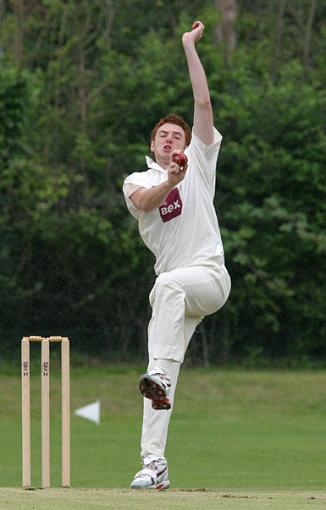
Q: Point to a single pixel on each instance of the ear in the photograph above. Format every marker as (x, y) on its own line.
(152, 145)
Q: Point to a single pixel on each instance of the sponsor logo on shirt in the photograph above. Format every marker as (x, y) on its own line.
(172, 207)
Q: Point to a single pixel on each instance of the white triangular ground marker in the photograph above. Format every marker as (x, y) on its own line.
(90, 412)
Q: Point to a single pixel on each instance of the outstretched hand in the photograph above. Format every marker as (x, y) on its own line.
(195, 34)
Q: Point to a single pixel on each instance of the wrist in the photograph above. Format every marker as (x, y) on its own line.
(167, 185)
(187, 41)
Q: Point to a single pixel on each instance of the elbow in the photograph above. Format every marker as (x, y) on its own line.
(140, 202)
(144, 206)
(143, 200)
(204, 102)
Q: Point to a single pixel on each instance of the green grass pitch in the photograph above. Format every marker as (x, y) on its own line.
(238, 439)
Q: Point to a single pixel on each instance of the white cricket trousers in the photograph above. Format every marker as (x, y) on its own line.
(179, 300)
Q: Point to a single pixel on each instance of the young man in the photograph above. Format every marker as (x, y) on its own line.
(174, 207)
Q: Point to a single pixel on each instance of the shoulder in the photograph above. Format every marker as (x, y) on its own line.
(203, 158)
(197, 143)
(137, 177)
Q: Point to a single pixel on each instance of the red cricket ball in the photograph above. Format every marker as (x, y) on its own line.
(195, 24)
(180, 159)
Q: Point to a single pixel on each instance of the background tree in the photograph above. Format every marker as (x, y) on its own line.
(81, 85)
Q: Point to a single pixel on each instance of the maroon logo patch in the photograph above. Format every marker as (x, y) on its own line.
(172, 206)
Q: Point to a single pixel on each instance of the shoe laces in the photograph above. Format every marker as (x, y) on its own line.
(156, 465)
(163, 375)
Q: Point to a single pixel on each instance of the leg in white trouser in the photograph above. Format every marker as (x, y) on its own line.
(179, 299)
(156, 423)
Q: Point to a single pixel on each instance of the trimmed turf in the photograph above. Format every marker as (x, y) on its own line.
(114, 499)
(245, 430)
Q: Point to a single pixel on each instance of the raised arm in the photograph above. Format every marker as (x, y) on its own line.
(203, 114)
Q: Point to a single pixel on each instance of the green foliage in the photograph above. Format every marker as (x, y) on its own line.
(273, 221)
(80, 89)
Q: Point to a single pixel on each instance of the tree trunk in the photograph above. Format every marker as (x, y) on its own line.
(307, 38)
(278, 38)
(18, 8)
(2, 9)
(108, 13)
(204, 341)
(225, 31)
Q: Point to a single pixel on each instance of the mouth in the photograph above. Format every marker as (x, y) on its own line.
(167, 148)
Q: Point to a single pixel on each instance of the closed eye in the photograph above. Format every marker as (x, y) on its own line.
(175, 134)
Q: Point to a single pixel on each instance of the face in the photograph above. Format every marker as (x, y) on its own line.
(169, 137)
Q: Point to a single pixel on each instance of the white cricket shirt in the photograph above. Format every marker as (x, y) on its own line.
(184, 230)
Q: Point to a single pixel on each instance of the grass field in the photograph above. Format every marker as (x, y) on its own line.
(115, 499)
(251, 439)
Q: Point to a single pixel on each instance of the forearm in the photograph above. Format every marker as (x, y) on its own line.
(197, 74)
(203, 114)
(149, 199)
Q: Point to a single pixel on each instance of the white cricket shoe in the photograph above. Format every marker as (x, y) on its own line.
(154, 475)
(156, 385)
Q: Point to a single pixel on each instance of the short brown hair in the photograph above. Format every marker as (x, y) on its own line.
(173, 118)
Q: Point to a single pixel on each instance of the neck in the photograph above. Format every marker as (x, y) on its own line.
(163, 162)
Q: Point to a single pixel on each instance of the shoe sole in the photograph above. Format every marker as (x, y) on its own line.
(159, 487)
(150, 389)
(162, 486)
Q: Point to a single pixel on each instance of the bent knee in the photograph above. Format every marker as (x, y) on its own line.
(165, 285)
